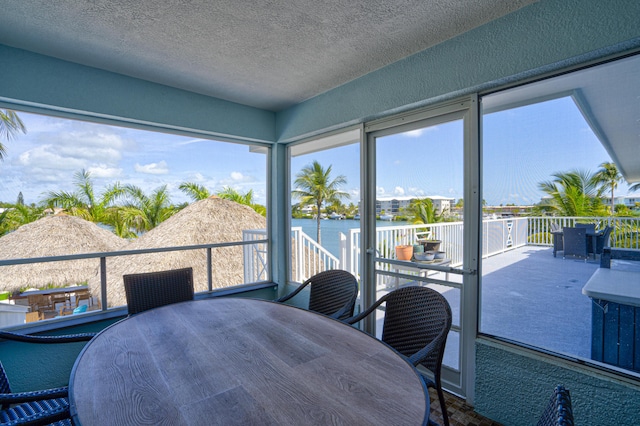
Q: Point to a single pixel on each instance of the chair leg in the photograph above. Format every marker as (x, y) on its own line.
(443, 407)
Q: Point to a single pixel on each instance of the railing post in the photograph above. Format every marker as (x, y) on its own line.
(345, 261)
(103, 282)
(209, 269)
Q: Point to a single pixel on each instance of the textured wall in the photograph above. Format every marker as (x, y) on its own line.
(514, 385)
(43, 80)
(535, 39)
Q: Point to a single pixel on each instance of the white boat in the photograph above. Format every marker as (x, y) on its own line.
(388, 217)
(336, 216)
(356, 217)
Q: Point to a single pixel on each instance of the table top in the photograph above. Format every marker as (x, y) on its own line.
(241, 361)
(56, 290)
(615, 286)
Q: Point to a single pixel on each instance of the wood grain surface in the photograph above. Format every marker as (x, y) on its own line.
(241, 361)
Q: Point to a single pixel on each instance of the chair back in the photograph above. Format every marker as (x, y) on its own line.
(589, 227)
(555, 227)
(154, 289)
(575, 241)
(333, 293)
(5, 387)
(558, 411)
(415, 318)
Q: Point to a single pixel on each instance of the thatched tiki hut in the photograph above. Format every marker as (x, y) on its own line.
(212, 220)
(54, 236)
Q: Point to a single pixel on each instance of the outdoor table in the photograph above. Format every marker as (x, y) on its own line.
(421, 267)
(242, 361)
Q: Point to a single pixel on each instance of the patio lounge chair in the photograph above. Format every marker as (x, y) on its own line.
(154, 289)
(41, 406)
(416, 323)
(332, 293)
(575, 242)
(558, 411)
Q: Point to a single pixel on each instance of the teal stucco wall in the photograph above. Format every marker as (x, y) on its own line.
(31, 79)
(513, 385)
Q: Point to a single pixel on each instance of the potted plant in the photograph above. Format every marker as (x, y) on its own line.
(404, 252)
(431, 245)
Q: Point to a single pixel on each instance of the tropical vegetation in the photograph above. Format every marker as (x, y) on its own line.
(10, 125)
(314, 186)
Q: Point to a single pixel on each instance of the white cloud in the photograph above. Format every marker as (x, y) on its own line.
(103, 171)
(398, 190)
(413, 133)
(380, 190)
(159, 168)
(237, 176)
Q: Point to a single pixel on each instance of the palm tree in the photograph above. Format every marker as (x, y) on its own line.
(314, 186)
(195, 191)
(144, 212)
(608, 176)
(574, 193)
(422, 211)
(10, 124)
(84, 203)
(246, 199)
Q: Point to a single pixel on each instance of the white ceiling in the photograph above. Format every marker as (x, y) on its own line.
(269, 54)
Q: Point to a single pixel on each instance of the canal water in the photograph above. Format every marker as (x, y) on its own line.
(330, 230)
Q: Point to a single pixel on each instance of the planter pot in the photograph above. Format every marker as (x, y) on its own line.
(431, 245)
(404, 252)
(440, 255)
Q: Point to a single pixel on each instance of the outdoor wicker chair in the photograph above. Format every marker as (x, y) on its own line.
(154, 289)
(575, 242)
(558, 411)
(40, 407)
(416, 323)
(332, 293)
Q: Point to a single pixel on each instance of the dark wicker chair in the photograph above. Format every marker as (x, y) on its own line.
(41, 407)
(575, 242)
(154, 289)
(416, 323)
(558, 411)
(332, 293)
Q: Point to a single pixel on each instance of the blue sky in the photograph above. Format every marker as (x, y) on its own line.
(53, 150)
(522, 147)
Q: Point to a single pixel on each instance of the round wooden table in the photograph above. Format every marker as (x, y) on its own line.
(242, 361)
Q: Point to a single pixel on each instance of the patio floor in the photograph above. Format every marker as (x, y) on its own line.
(528, 296)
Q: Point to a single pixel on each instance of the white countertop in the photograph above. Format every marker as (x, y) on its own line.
(617, 286)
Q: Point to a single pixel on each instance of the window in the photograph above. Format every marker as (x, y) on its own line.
(72, 187)
(325, 189)
(544, 146)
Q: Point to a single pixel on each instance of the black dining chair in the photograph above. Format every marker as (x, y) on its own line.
(558, 411)
(150, 290)
(332, 293)
(416, 323)
(38, 407)
(575, 242)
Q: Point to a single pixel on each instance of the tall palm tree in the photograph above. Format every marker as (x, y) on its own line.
(10, 124)
(314, 186)
(246, 199)
(195, 191)
(144, 212)
(84, 202)
(574, 193)
(608, 176)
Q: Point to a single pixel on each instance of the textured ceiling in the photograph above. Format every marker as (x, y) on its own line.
(270, 54)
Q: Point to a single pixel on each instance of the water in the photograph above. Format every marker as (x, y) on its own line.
(330, 230)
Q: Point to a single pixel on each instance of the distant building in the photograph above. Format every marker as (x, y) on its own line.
(395, 205)
(628, 200)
